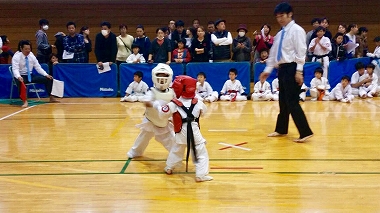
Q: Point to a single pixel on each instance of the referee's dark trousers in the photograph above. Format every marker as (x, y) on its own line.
(289, 102)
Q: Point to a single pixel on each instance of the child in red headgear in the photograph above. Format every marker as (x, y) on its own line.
(186, 111)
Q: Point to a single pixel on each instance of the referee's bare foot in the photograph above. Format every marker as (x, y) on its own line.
(53, 100)
(275, 134)
(25, 104)
(301, 140)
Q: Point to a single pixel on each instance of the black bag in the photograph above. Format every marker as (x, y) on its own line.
(46, 51)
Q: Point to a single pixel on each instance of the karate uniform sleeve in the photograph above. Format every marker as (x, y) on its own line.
(327, 44)
(165, 111)
(256, 88)
(339, 93)
(327, 84)
(224, 89)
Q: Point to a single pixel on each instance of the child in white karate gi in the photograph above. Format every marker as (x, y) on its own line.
(319, 86)
(135, 57)
(204, 90)
(186, 111)
(152, 125)
(232, 89)
(261, 91)
(275, 89)
(321, 47)
(359, 79)
(137, 90)
(342, 92)
(372, 88)
(375, 56)
(303, 91)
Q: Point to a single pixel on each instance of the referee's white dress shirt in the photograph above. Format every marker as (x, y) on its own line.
(293, 47)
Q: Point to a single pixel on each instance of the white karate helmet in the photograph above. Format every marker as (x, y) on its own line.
(162, 76)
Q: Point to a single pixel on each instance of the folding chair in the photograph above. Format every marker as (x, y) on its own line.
(27, 86)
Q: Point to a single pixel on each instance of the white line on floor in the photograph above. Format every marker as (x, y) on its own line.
(237, 147)
(15, 113)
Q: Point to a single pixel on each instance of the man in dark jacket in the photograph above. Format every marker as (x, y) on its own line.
(221, 42)
(105, 45)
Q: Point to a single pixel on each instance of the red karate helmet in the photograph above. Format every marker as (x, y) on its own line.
(184, 86)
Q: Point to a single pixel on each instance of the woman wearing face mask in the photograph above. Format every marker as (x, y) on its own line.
(242, 45)
(44, 49)
(85, 31)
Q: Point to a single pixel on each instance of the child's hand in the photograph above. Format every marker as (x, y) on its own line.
(148, 103)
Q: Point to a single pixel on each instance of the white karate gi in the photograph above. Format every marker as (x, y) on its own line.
(376, 60)
(319, 84)
(136, 92)
(261, 92)
(177, 152)
(303, 94)
(205, 93)
(318, 51)
(355, 78)
(153, 125)
(132, 58)
(275, 89)
(232, 86)
(341, 94)
(373, 88)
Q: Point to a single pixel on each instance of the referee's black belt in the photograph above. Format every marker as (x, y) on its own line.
(286, 64)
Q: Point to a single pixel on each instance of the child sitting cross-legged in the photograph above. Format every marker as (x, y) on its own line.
(262, 91)
(232, 89)
(319, 86)
(136, 90)
(204, 90)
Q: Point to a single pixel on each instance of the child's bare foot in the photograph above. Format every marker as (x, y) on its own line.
(204, 178)
(25, 104)
(168, 170)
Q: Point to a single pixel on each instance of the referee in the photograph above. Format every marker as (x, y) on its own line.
(288, 54)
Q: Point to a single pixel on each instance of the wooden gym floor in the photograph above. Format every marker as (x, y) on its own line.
(71, 157)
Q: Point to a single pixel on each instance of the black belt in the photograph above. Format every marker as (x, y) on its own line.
(286, 64)
(320, 56)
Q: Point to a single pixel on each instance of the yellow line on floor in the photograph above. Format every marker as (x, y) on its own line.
(120, 126)
(39, 185)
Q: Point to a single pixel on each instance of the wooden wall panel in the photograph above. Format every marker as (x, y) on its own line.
(20, 21)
